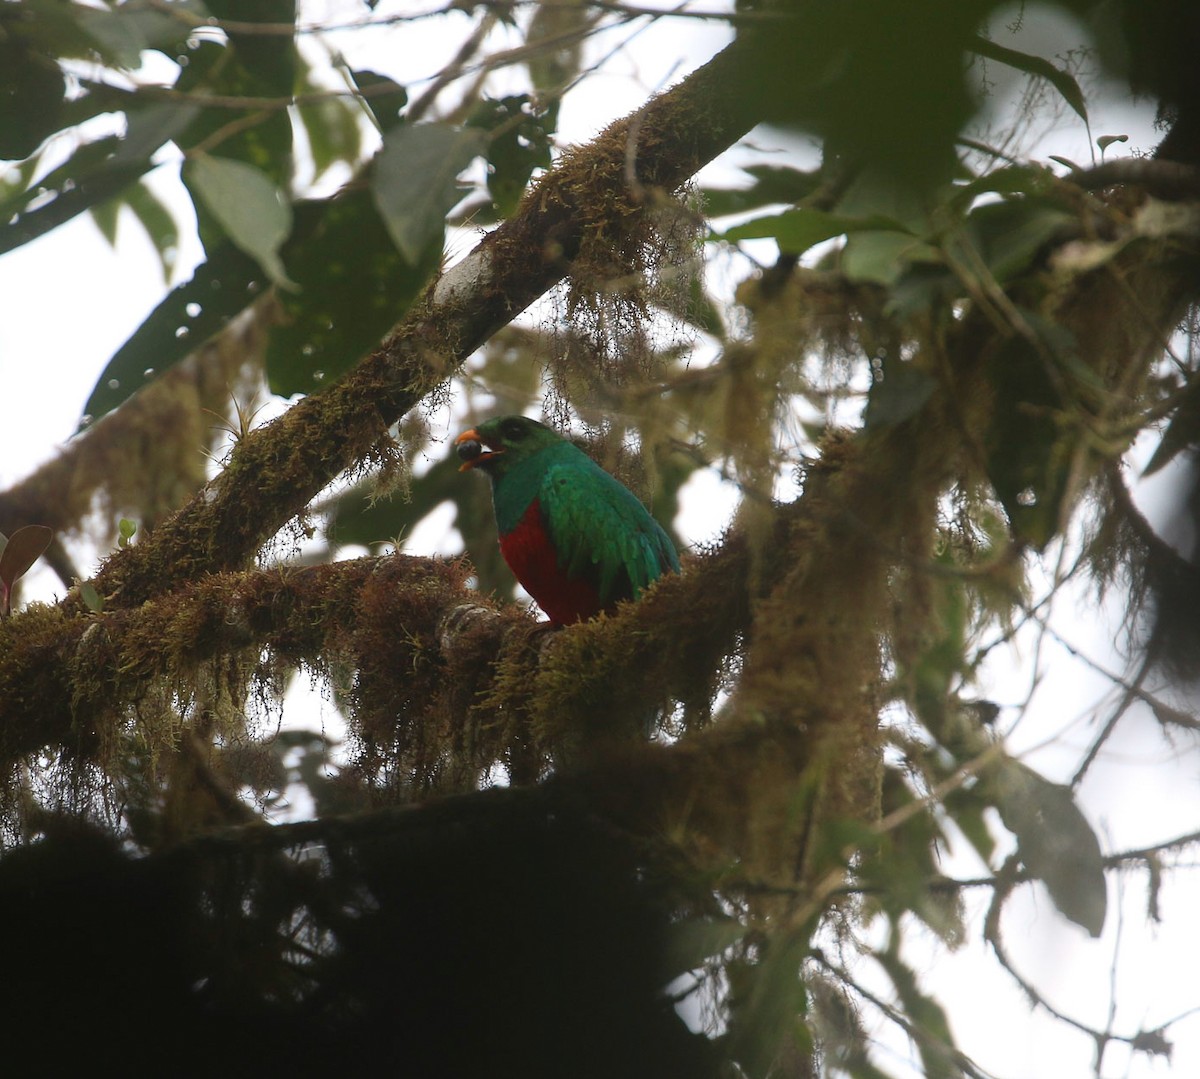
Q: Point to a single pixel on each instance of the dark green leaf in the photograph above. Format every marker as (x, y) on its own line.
(773, 184)
(384, 98)
(519, 142)
(1062, 81)
(353, 286)
(92, 599)
(898, 394)
(1010, 234)
(105, 215)
(158, 223)
(415, 181)
(935, 1043)
(882, 257)
(797, 230)
(332, 125)
(190, 313)
(123, 35)
(1054, 840)
(1182, 432)
(768, 1004)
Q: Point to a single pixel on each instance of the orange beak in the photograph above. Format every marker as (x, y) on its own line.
(463, 440)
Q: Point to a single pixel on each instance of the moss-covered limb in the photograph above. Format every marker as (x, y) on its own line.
(436, 671)
(72, 682)
(276, 471)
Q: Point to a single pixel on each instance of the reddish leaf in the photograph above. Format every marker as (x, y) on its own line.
(24, 548)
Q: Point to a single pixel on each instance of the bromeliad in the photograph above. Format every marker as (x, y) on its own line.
(577, 539)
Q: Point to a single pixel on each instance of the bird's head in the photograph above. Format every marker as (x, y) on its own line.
(502, 443)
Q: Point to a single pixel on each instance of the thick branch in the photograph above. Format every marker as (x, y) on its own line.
(426, 649)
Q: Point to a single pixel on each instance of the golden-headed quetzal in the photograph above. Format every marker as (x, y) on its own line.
(577, 539)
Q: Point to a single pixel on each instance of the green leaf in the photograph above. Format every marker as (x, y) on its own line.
(1063, 82)
(187, 315)
(797, 230)
(92, 599)
(122, 35)
(354, 286)
(1010, 234)
(773, 184)
(935, 1043)
(126, 529)
(1182, 432)
(106, 216)
(1054, 840)
(415, 181)
(1105, 141)
(383, 97)
(882, 257)
(768, 1003)
(249, 207)
(332, 125)
(518, 143)
(898, 394)
(159, 224)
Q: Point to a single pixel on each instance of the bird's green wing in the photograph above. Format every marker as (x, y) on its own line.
(601, 531)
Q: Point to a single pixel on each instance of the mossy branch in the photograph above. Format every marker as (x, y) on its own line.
(424, 648)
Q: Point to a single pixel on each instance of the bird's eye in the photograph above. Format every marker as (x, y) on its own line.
(513, 430)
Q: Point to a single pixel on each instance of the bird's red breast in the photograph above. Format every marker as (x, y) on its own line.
(532, 558)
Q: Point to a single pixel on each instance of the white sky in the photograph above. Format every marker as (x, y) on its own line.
(69, 301)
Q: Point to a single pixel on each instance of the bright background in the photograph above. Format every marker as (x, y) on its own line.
(69, 300)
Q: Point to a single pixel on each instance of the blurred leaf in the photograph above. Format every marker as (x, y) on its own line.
(159, 223)
(555, 39)
(353, 287)
(768, 1004)
(935, 1043)
(251, 65)
(1010, 234)
(186, 316)
(332, 126)
(693, 941)
(415, 181)
(95, 172)
(383, 97)
(106, 215)
(1182, 432)
(92, 599)
(518, 143)
(882, 257)
(250, 208)
(123, 34)
(1105, 141)
(922, 287)
(773, 184)
(1063, 82)
(797, 230)
(20, 551)
(1054, 840)
(1028, 458)
(969, 809)
(898, 394)
(32, 92)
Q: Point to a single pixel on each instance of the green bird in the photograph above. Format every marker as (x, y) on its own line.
(578, 540)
